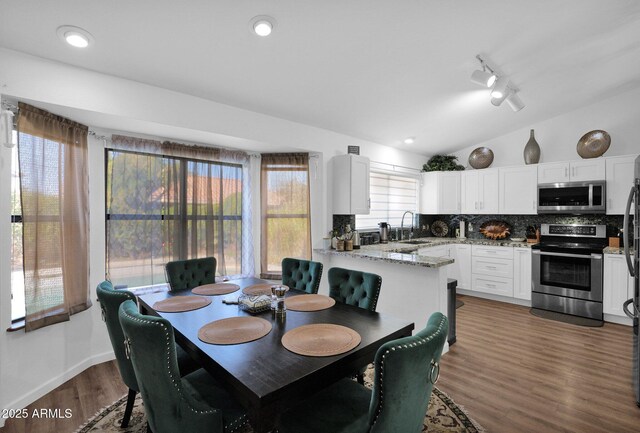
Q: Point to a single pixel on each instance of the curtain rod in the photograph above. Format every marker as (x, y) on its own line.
(394, 166)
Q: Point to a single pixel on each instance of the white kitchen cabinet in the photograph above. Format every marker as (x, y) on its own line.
(518, 190)
(351, 185)
(619, 180)
(479, 191)
(440, 192)
(462, 268)
(572, 171)
(617, 285)
(522, 273)
(492, 270)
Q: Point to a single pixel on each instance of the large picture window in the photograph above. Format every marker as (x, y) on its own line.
(286, 228)
(162, 208)
(391, 195)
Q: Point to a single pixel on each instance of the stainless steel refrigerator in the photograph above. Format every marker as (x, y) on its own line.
(632, 306)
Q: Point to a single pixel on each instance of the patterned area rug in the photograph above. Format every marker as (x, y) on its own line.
(443, 416)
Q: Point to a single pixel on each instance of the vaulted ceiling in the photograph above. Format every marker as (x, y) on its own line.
(375, 70)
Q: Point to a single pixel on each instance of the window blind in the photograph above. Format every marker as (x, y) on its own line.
(391, 196)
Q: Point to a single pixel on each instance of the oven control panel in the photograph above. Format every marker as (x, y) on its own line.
(574, 230)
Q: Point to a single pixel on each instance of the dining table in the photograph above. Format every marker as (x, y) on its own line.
(265, 377)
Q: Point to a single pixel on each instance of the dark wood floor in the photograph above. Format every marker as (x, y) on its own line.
(512, 371)
(85, 394)
(515, 372)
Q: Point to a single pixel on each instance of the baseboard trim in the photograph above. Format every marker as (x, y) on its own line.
(498, 298)
(620, 320)
(55, 382)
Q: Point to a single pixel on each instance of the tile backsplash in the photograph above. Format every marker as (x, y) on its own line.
(519, 223)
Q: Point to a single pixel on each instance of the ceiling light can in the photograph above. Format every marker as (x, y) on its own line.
(262, 25)
(409, 140)
(74, 36)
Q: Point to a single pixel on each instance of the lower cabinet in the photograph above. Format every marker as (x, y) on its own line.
(492, 270)
(522, 273)
(617, 284)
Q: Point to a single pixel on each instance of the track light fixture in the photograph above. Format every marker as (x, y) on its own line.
(501, 88)
(484, 77)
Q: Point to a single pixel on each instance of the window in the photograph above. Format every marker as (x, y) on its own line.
(286, 228)
(54, 205)
(162, 208)
(17, 275)
(391, 196)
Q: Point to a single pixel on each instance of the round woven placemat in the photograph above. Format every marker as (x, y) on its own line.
(215, 289)
(310, 302)
(321, 339)
(258, 289)
(178, 304)
(234, 330)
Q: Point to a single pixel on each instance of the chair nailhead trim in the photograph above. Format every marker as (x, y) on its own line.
(177, 385)
(419, 341)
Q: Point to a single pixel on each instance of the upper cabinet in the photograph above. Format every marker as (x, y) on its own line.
(440, 192)
(518, 190)
(619, 180)
(480, 191)
(351, 185)
(574, 171)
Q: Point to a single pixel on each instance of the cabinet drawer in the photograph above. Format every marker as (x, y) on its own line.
(492, 266)
(489, 251)
(493, 285)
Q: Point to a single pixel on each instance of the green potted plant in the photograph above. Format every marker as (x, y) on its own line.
(442, 163)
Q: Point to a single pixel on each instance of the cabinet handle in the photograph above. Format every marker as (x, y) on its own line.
(369, 203)
(491, 285)
(491, 267)
(566, 172)
(481, 205)
(573, 172)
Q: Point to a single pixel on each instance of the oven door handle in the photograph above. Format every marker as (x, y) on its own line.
(625, 232)
(579, 256)
(625, 308)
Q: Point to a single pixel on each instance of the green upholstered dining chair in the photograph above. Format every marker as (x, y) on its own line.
(195, 403)
(360, 289)
(110, 300)
(301, 274)
(405, 371)
(187, 274)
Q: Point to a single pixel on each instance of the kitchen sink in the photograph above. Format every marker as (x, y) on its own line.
(415, 242)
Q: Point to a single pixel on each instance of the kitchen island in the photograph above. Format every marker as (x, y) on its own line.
(414, 285)
(414, 273)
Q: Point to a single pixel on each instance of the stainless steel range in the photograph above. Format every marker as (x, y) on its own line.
(567, 269)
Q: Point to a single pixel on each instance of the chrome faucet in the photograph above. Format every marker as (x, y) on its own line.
(402, 225)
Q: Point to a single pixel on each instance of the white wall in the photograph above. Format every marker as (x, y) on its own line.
(31, 364)
(558, 136)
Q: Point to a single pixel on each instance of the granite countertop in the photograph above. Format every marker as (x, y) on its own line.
(616, 250)
(406, 254)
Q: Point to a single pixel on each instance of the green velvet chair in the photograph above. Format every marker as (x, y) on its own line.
(195, 403)
(405, 371)
(301, 275)
(110, 300)
(188, 274)
(360, 289)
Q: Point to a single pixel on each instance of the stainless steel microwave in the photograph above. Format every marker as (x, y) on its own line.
(572, 197)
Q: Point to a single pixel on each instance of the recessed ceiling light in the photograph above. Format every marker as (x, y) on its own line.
(75, 36)
(409, 140)
(262, 25)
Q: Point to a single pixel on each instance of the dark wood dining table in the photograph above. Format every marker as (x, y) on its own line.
(265, 377)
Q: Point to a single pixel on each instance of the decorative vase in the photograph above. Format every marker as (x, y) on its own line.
(481, 157)
(532, 151)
